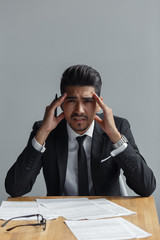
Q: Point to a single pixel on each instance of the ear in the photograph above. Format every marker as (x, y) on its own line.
(98, 108)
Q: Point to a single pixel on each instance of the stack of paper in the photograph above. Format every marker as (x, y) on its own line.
(108, 229)
(83, 208)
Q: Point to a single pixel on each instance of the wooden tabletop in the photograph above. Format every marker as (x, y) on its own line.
(145, 218)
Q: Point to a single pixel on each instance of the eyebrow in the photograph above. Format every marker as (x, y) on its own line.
(88, 98)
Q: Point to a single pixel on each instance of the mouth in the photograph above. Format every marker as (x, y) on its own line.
(79, 119)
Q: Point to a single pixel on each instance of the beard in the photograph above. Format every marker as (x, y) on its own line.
(79, 127)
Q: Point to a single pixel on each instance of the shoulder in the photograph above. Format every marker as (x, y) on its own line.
(37, 125)
(121, 121)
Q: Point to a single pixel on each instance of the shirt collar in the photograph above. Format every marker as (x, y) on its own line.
(72, 134)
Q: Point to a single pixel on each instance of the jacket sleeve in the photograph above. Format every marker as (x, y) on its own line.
(22, 175)
(139, 176)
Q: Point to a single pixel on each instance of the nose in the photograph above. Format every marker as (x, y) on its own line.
(79, 108)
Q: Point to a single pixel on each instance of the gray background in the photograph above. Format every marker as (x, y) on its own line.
(40, 39)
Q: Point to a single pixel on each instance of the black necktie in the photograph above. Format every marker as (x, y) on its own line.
(82, 169)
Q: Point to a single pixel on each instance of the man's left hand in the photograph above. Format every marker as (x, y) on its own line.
(107, 123)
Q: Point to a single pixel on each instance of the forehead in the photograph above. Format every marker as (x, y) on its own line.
(79, 91)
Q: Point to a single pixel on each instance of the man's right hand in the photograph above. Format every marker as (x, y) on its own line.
(50, 122)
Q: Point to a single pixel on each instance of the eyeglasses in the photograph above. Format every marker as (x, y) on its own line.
(41, 221)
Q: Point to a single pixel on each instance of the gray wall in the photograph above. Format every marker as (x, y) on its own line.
(39, 39)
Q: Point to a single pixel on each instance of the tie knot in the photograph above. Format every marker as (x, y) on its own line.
(81, 139)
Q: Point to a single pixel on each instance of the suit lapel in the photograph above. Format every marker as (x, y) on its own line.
(99, 142)
(62, 152)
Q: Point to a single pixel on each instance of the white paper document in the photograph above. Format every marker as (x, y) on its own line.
(83, 208)
(47, 213)
(12, 209)
(105, 229)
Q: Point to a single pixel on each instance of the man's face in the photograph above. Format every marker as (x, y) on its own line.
(79, 107)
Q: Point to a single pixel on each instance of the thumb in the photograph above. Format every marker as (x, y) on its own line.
(97, 119)
(60, 117)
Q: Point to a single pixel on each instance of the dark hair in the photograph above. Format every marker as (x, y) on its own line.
(81, 75)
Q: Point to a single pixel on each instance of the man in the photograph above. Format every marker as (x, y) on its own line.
(107, 147)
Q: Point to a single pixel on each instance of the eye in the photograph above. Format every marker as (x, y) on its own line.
(70, 100)
(88, 101)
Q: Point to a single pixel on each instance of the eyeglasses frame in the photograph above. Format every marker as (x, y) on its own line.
(42, 222)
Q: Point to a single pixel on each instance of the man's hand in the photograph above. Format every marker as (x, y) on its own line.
(50, 122)
(107, 123)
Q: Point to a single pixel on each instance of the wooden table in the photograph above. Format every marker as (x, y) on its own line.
(145, 218)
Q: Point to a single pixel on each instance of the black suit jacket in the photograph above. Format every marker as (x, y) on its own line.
(139, 177)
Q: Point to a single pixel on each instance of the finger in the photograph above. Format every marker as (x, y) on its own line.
(98, 100)
(60, 117)
(59, 101)
(97, 119)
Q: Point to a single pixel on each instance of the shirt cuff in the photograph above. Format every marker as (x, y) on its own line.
(38, 146)
(119, 150)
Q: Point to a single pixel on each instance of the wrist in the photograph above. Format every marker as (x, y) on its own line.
(41, 136)
(120, 142)
(115, 137)
(38, 146)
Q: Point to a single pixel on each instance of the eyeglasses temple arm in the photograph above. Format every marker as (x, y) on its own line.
(4, 224)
